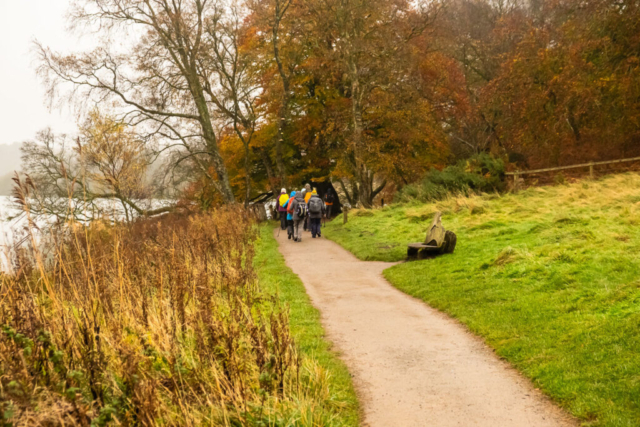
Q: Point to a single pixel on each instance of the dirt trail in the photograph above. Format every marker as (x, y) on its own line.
(412, 365)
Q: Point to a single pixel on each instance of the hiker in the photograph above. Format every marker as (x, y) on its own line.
(307, 195)
(328, 201)
(288, 206)
(298, 208)
(304, 196)
(282, 209)
(317, 210)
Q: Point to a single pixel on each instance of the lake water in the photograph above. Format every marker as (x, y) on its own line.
(13, 225)
(10, 229)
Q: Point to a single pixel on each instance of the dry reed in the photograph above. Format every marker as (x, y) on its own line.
(161, 322)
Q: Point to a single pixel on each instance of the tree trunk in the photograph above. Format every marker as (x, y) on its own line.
(363, 175)
(208, 133)
(283, 111)
(346, 192)
(266, 161)
(247, 179)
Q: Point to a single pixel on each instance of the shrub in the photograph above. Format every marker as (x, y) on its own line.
(162, 321)
(481, 173)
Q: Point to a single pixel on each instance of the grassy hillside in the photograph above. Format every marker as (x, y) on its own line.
(549, 277)
(340, 406)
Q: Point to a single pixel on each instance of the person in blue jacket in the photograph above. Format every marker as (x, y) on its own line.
(289, 216)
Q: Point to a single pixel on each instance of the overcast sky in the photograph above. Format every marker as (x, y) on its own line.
(22, 103)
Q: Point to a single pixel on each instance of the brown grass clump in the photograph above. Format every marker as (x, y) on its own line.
(158, 322)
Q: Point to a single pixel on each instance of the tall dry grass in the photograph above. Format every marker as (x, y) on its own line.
(161, 322)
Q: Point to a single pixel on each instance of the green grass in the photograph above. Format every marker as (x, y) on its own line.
(549, 277)
(340, 405)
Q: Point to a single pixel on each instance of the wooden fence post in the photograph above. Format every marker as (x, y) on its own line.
(515, 181)
(591, 170)
(345, 210)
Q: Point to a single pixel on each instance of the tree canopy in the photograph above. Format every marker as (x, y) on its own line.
(250, 96)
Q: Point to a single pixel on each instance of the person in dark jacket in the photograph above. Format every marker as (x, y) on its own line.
(329, 199)
(282, 210)
(289, 215)
(298, 221)
(307, 195)
(317, 210)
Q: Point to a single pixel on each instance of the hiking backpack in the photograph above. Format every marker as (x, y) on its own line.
(315, 205)
(301, 210)
(329, 197)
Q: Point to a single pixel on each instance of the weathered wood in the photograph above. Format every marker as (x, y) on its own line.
(435, 234)
(261, 198)
(421, 246)
(583, 165)
(437, 241)
(345, 216)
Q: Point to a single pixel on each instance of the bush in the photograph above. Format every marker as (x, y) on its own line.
(481, 173)
(158, 322)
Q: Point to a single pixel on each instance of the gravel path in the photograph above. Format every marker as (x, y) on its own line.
(412, 365)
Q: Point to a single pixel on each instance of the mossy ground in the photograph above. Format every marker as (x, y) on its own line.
(340, 406)
(549, 277)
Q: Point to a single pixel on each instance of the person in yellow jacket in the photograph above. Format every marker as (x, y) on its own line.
(308, 193)
(282, 208)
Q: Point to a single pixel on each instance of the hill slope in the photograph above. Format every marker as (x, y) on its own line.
(549, 277)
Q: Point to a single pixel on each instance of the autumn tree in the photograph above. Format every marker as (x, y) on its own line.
(568, 90)
(160, 81)
(233, 85)
(369, 41)
(372, 94)
(474, 37)
(79, 177)
(280, 38)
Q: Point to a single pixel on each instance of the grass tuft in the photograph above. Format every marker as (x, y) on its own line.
(507, 256)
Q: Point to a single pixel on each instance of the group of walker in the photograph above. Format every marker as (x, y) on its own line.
(303, 210)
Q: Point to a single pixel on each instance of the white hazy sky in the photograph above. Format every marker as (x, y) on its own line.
(22, 103)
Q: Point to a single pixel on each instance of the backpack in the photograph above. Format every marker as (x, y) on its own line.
(329, 197)
(301, 211)
(315, 205)
(290, 206)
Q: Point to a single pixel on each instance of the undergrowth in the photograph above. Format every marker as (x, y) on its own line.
(162, 322)
(481, 173)
(549, 277)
